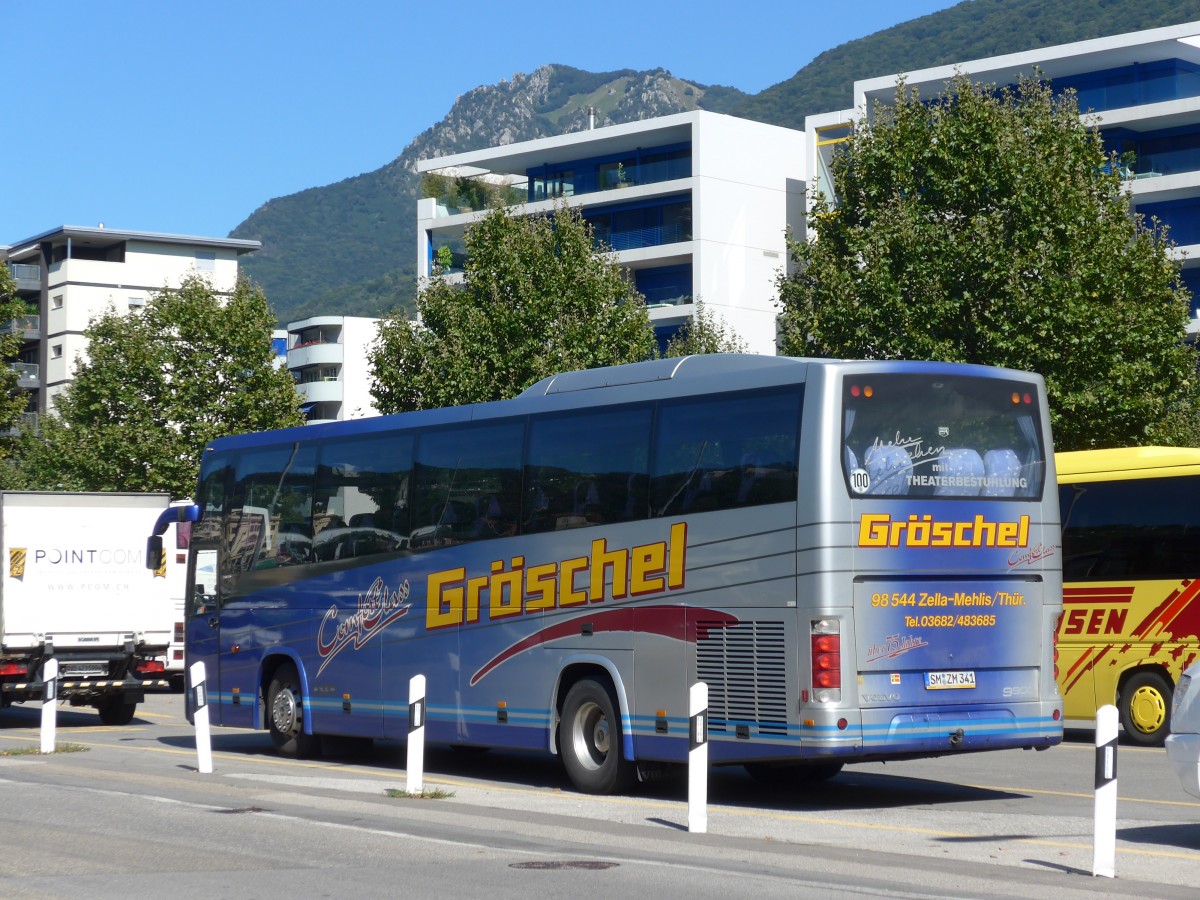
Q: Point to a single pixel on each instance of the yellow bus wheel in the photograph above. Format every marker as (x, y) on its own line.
(1145, 707)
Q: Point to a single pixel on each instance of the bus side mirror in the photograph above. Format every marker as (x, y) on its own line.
(154, 550)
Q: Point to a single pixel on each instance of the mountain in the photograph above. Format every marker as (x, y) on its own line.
(349, 248)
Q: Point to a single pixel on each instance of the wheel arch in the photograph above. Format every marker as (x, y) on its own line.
(1137, 668)
(601, 668)
(267, 668)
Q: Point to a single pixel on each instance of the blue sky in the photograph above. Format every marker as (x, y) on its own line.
(184, 117)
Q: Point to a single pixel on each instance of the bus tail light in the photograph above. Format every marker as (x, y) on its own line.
(827, 660)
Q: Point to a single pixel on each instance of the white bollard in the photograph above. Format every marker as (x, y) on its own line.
(415, 766)
(1104, 840)
(698, 758)
(49, 703)
(199, 690)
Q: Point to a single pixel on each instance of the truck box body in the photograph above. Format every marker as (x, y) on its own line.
(75, 586)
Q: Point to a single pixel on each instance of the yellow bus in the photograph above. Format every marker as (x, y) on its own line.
(1131, 571)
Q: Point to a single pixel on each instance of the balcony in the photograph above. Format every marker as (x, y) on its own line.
(29, 327)
(315, 353)
(26, 422)
(460, 194)
(320, 391)
(28, 277)
(599, 175)
(28, 375)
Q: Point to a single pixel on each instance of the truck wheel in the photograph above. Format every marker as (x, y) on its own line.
(1145, 707)
(589, 739)
(285, 715)
(116, 711)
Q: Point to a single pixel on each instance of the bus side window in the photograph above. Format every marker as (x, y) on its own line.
(467, 483)
(739, 450)
(573, 484)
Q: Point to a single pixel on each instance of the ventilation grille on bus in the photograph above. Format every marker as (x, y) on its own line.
(744, 668)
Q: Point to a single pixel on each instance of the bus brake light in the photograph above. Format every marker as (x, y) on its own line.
(826, 660)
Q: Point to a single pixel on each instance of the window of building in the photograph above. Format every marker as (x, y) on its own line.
(56, 351)
(56, 302)
(206, 261)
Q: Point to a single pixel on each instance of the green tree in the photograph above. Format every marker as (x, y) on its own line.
(989, 226)
(156, 387)
(12, 399)
(536, 298)
(704, 333)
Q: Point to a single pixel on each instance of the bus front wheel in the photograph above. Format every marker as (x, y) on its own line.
(1145, 707)
(589, 740)
(285, 714)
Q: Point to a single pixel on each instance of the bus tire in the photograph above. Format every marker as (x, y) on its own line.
(785, 775)
(116, 711)
(1145, 708)
(285, 715)
(589, 739)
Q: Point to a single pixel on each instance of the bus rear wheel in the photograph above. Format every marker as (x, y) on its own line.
(285, 714)
(589, 739)
(1145, 707)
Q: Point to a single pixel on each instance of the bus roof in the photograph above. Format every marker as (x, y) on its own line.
(698, 374)
(1115, 462)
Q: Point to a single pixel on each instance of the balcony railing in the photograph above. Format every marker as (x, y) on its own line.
(636, 238)
(28, 374)
(25, 272)
(607, 177)
(23, 325)
(549, 184)
(26, 422)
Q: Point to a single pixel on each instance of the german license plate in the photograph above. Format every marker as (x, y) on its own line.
(79, 670)
(945, 681)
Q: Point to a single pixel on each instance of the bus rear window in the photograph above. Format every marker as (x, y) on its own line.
(941, 436)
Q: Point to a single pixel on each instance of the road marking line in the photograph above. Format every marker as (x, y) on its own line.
(668, 805)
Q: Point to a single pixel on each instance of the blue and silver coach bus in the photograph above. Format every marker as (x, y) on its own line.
(858, 558)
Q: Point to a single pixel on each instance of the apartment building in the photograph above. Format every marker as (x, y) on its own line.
(327, 356)
(1143, 88)
(71, 274)
(694, 204)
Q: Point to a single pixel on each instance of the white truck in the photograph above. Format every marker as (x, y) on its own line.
(76, 588)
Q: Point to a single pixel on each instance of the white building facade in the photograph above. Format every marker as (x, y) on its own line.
(1143, 90)
(327, 356)
(695, 205)
(72, 274)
